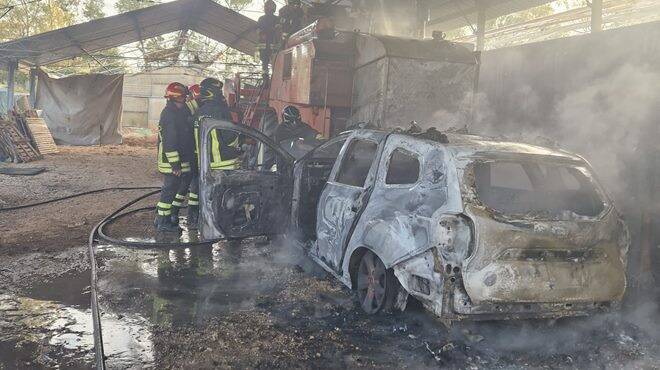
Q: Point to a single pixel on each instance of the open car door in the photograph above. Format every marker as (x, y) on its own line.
(254, 199)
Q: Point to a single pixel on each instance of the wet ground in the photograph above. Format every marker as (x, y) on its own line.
(260, 304)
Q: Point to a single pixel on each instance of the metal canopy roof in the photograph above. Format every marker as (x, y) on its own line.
(451, 14)
(202, 16)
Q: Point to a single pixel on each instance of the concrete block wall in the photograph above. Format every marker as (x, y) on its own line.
(143, 94)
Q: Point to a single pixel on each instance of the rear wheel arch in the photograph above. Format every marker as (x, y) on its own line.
(395, 295)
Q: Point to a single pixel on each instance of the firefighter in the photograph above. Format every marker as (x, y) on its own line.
(192, 103)
(294, 135)
(291, 18)
(225, 148)
(267, 25)
(175, 152)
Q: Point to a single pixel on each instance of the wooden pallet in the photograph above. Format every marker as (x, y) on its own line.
(41, 135)
(15, 144)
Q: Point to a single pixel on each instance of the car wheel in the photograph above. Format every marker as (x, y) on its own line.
(376, 286)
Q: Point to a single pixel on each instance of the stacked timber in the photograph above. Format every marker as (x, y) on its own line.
(24, 136)
(15, 145)
(40, 135)
(30, 128)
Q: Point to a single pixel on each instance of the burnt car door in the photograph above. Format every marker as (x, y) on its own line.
(345, 195)
(252, 200)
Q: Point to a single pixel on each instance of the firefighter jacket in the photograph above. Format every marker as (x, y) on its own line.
(176, 143)
(267, 24)
(296, 130)
(225, 147)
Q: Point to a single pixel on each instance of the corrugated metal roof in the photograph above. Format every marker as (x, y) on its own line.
(451, 14)
(203, 16)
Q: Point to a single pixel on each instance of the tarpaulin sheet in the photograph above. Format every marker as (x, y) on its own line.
(82, 110)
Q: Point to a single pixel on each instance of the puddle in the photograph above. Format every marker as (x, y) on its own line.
(51, 327)
(48, 325)
(186, 285)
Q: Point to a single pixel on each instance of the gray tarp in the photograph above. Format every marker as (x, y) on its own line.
(82, 110)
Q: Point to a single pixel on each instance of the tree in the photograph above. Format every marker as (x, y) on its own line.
(36, 17)
(93, 9)
(124, 6)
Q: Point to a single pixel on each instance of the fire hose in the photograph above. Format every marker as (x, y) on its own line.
(97, 234)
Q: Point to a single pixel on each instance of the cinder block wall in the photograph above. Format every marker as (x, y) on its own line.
(143, 94)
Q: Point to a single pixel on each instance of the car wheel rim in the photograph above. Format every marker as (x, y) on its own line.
(371, 283)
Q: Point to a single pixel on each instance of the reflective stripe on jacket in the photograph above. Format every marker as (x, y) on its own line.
(218, 152)
(224, 151)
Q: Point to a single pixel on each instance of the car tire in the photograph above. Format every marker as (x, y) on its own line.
(376, 287)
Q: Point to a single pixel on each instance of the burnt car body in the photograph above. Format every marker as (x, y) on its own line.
(473, 228)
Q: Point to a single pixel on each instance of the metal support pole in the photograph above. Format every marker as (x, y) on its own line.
(11, 74)
(481, 27)
(423, 9)
(596, 15)
(33, 87)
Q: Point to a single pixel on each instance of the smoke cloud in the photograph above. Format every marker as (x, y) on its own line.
(612, 122)
(598, 96)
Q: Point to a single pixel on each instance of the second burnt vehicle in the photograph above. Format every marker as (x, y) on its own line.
(474, 228)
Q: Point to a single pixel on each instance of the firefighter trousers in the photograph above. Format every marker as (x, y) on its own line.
(193, 192)
(167, 193)
(182, 190)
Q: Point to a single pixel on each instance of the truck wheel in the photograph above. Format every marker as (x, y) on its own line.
(376, 286)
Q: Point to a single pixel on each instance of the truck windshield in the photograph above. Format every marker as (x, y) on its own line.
(534, 189)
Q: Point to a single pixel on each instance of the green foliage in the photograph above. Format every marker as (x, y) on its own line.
(124, 6)
(37, 17)
(93, 9)
(520, 17)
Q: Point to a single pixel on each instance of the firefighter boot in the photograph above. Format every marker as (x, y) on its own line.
(164, 224)
(193, 217)
(174, 217)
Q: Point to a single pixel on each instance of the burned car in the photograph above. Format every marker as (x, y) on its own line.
(473, 228)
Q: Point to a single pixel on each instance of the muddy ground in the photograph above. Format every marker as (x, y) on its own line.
(249, 304)
(59, 225)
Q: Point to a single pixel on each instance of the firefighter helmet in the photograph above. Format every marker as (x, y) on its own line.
(290, 114)
(269, 7)
(176, 91)
(194, 91)
(210, 88)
